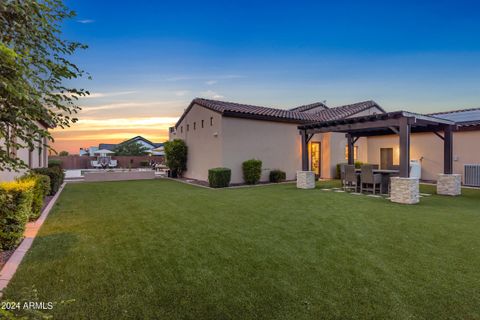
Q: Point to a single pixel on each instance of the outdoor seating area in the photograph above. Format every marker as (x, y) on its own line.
(104, 160)
(367, 179)
(401, 185)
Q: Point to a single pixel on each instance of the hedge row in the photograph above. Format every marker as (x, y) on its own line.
(16, 198)
(21, 200)
(40, 191)
(56, 177)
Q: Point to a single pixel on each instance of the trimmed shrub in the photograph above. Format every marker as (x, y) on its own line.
(252, 171)
(16, 198)
(219, 177)
(358, 164)
(54, 163)
(56, 177)
(277, 176)
(176, 156)
(40, 191)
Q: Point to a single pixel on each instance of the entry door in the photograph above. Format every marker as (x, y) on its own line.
(386, 158)
(315, 158)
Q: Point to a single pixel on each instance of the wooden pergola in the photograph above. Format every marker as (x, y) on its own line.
(399, 122)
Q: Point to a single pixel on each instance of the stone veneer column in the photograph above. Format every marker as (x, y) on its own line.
(404, 190)
(449, 184)
(305, 179)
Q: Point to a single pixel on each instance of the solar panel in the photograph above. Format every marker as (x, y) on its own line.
(462, 116)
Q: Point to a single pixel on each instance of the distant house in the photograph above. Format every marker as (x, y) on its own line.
(224, 134)
(34, 158)
(152, 147)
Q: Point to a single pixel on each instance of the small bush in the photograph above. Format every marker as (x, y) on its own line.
(338, 174)
(277, 176)
(56, 177)
(41, 190)
(252, 171)
(16, 198)
(144, 163)
(219, 177)
(54, 163)
(176, 156)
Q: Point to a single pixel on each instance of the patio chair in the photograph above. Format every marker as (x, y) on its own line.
(95, 164)
(351, 178)
(113, 164)
(368, 178)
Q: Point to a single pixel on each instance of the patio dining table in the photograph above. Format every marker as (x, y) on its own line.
(386, 174)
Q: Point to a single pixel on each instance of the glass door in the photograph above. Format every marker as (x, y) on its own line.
(315, 158)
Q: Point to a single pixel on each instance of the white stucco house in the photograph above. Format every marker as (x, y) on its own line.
(34, 158)
(224, 134)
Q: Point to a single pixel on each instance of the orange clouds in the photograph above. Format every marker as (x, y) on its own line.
(91, 132)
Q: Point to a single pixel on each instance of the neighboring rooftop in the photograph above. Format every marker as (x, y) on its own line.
(463, 117)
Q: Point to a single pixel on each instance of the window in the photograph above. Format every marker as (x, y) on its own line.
(202, 123)
(181, 129)
(188, 127)
(355, 152)
(194, 125)
(211, 121)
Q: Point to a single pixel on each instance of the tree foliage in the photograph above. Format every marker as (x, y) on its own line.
(176, 156)
(34, 70)
(130, 149)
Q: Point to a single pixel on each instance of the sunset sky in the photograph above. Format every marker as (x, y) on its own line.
(149, 59)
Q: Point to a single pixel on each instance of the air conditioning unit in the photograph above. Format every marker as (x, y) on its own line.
(472, 175)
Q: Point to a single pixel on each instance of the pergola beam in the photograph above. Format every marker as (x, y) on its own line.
(352, 127)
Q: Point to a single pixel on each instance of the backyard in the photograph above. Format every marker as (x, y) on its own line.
(166, 250)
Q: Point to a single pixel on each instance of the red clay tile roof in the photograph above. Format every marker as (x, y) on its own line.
(309, 107)
(233, 109)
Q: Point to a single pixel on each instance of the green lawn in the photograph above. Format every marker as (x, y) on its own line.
(160, 249)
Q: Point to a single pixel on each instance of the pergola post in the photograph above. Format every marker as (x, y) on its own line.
(305, 178)
(448, 150)
(304, 150)
(404, 142)
(448, 183)
(350, 149)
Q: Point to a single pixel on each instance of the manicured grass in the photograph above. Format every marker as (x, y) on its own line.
(165, 250)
